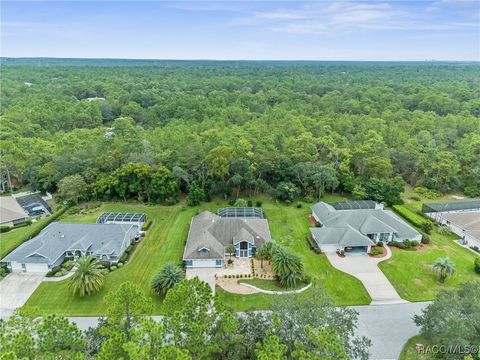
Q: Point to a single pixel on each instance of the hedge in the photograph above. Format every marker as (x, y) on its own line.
(411, 216)
(147, 225)
(313, 245)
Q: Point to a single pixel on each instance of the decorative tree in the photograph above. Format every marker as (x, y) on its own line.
(88, 277)
(230, 250)
(444, 267)
(166, 278)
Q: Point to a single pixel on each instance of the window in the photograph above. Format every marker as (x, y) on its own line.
(218, 263)
(188, 263)
(384, 236)
(204, 250)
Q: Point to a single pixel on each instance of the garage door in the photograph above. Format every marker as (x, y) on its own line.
(356, 249)
(328, 248)
(39, 268)
(203, 263)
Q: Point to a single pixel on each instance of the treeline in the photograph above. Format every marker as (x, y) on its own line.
(193, 325)
(150, 131)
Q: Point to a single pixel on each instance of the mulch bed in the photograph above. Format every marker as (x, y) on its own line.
(379, 255)
(312, 220)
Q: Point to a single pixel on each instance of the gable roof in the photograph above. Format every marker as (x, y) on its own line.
(344, 236)
(10, 210)
(215, 233)
(57, 238)
(365, 221)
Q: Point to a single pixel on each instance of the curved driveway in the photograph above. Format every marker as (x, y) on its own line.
(365, 269)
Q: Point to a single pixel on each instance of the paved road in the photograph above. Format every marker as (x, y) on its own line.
(388, 326)
(16, 288)
(365, 269)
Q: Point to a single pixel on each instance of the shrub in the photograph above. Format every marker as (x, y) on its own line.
(250, 203)
(318, 224)
(28, 222)
(258, 203)
(413, 243)
(425, 239)
(4, 229)
(299, 205)
(147, 224)
(119, 265)
(380, 243)
(407, 244)
(475, 248)
(113, 268)
(68, 265)
(229, 261)
(49, 274)
(313, 245)
(477, 265)
(427, 226)
(376, 251)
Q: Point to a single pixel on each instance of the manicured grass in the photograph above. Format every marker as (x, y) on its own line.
(165, 242)
(410, 353)
(410, 272)
(270, 285)
(13, 238)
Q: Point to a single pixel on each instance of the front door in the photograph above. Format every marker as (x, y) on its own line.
(244, 249)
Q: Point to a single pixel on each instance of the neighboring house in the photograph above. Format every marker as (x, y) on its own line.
(210, 234)
(357, 230)
(59, 240)
(11, 213)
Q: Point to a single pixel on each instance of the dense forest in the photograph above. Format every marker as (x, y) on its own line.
(150, 130)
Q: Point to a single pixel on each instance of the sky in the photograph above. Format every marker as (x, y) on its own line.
(248, 30)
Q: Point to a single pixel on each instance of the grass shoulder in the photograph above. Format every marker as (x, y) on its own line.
(409, 351)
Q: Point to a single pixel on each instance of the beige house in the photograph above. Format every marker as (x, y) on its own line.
(11, 213)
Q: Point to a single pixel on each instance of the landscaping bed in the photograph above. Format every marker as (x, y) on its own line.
(270, 285)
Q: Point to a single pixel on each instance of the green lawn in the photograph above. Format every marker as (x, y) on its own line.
(410, 353)
(165, 242)
(13, 238)
(411, 273)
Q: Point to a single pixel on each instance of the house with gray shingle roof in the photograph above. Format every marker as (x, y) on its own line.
(59, 240)
(11, 213)
(358, 229)
(210, 234)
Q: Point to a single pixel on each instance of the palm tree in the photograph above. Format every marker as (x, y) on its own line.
(88, 277)
(444, 267)
(287, 266)
(262, 254)
(230, 249)
(167, 278)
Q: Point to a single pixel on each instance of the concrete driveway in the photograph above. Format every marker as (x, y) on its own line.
(204, 274)
(365, 269)
(15, 289)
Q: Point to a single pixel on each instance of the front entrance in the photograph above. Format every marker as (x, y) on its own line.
(243, 249)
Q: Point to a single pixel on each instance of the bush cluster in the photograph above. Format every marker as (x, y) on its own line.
(147, 224)
(377, 250)
(477, 265)
(313, 245)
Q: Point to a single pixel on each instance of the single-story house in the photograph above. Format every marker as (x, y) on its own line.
(60, 240)
(11, 213)
(210, 234)
(359, 229)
